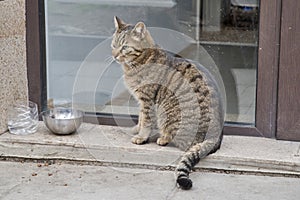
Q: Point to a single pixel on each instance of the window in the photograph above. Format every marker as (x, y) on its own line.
(264, 111)
(220, 34)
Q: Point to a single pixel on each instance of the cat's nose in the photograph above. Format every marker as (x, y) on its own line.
(114, 53)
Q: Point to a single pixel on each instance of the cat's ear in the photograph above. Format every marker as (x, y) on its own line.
(118, 23)
(139, 31)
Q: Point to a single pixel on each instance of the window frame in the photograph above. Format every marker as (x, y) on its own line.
(267, 70)
(36, 52)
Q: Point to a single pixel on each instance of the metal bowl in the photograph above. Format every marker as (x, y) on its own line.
(62, 121)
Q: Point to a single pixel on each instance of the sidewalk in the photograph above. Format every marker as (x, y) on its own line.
(85, 182)
(99, 162)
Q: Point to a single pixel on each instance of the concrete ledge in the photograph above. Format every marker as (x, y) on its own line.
(111, 146)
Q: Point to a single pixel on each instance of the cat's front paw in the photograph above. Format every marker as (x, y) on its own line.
(142, 137)
(163, 141)
(137, 139)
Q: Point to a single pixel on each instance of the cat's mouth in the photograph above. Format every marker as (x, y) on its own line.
(119, 59)
(116, 55)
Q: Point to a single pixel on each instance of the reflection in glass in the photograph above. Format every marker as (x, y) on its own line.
(222, 32)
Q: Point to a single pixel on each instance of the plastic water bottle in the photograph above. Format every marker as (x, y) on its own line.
(23, 118)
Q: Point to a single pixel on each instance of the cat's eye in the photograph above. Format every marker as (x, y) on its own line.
(124, 47)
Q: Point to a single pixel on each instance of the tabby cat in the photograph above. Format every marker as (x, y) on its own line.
(178, 98)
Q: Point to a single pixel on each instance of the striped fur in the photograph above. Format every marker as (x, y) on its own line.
(178, 98)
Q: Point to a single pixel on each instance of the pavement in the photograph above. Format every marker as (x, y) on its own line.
(99, 162)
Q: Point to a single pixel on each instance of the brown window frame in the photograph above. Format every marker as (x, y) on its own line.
(288, 114)
(267, 69)
(36, 54)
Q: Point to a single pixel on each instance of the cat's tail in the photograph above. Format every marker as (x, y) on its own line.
(211, 144)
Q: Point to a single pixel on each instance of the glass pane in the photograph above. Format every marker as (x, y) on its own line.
(215, 33)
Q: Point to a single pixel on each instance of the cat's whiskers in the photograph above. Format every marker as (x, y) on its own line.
(109, 60)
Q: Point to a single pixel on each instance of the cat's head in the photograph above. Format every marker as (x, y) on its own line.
(130, 40)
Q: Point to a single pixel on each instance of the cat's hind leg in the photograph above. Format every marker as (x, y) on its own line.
(168, 121)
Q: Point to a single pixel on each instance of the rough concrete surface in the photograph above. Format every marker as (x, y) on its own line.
(64, 181)
(100, 162)
(111, 145)
(13, 70)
